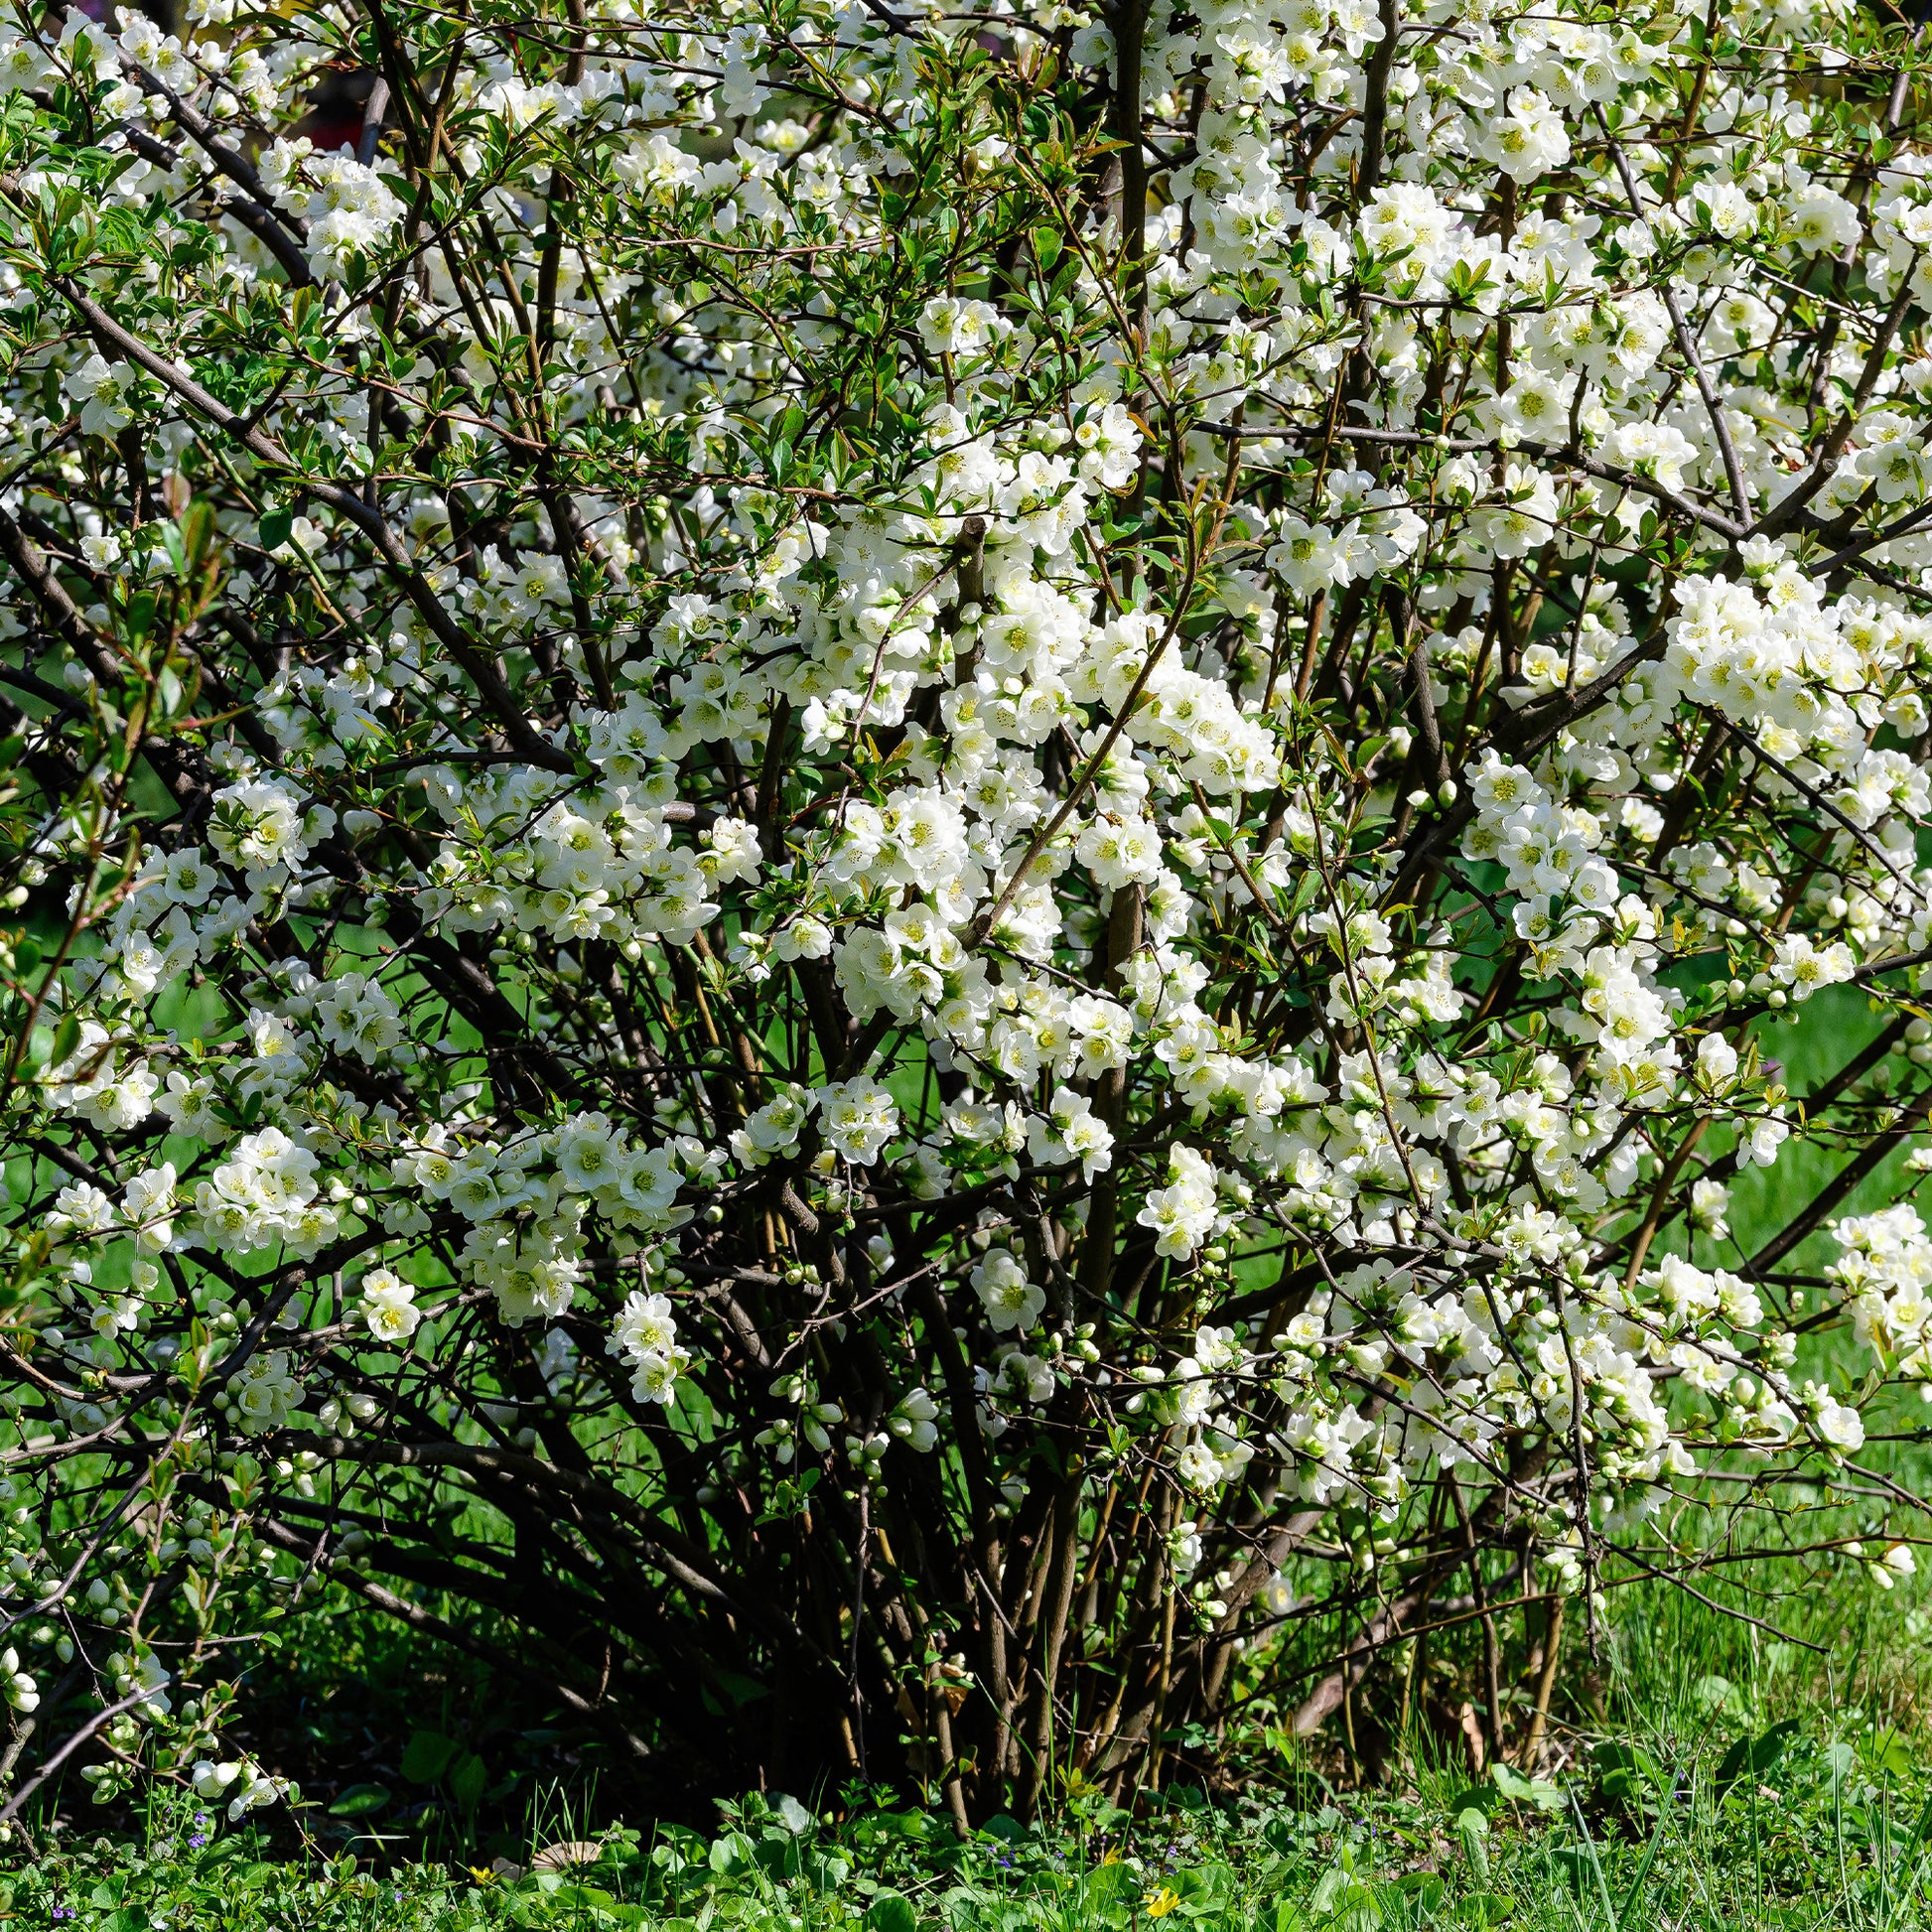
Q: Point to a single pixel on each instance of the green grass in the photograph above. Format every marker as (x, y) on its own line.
(1704, 1777)
(1791, 1826)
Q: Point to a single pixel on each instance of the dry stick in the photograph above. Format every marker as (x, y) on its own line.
(1660, 1194)
(1681, 147)
(1401, 621)
(1740, 500)
(1065, 1568)
(669, 1549)
(1828, 1196)
(1097, 1250)
(1872, 540)
(22, 1730)
(257, 217)
(411, 108)
(1784, 514)
(1491, 1643)
(1544, 452)
(1545, 1685)
(1375, 102)
(238, 169)
(1580, 1455)
(860, 1557)
(373, 110)
(1148, 1769)
(1885, 862)
(1311, 646)
(950, 1781)
(962, 1399)
(1130, 34)
(1873, 968)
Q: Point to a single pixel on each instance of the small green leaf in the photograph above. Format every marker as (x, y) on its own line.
(359, 1800)
(889, 1912)
(1757, 1755)
(1473, 1830)
(1539, 1792)
(1770, 1747)
(1484, 1908)
(276, 526)
(427, 1756)
(67, 1037)
(1716, 1693)
(1892, 1754)
(468, 1780)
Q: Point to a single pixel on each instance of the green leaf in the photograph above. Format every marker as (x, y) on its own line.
(1755, 1755)
(889, 1912)
(1527, 1791)
(742, 1689)
(732, 1852)
(1473, 1830)
(427, 1756)
(468, 1780)
(583, 1898)
(141, 607)
(359, 1800)
(67, 1037)
(1486, 1908)
(1716, 1693)
(1626, 1775)
(276, 526)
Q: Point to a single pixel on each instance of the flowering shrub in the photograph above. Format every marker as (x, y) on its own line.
(910, 868)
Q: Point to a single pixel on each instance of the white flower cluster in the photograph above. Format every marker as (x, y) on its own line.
(239, 1783)
(345, 206)
(1885, 1274)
